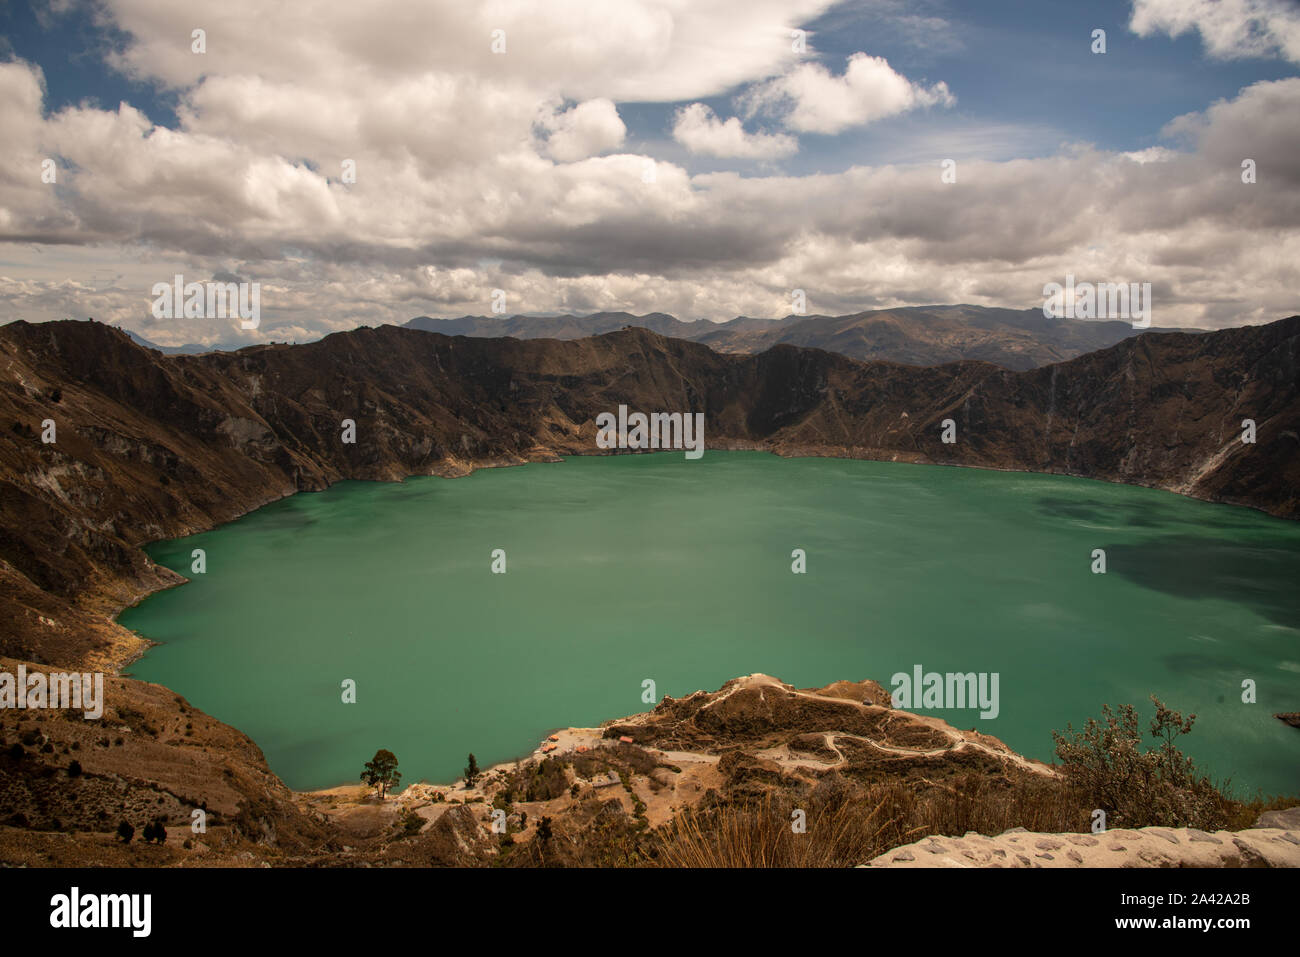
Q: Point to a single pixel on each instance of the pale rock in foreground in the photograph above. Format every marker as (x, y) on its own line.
(1143, 847)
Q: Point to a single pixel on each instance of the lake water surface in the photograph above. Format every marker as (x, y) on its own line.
(634, 567)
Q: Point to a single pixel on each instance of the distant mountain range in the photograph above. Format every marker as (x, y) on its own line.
(917, 335)
(189, 349)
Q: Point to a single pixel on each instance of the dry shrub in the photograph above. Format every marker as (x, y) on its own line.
(840, 830)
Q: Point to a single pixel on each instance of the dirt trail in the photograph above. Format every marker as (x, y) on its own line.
(958, 741)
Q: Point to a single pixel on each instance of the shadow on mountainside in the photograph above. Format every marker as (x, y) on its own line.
(1262, 577)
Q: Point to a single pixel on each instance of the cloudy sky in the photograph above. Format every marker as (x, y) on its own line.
(697, 157)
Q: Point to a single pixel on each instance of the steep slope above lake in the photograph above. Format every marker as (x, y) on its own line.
(152, 446)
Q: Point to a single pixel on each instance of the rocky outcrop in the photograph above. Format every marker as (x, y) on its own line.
(1143, 847)
(757, 724)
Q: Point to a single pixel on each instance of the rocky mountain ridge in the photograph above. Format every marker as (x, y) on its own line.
(913, 335)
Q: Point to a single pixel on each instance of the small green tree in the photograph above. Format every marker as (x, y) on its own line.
(471, 771)
(381, 772)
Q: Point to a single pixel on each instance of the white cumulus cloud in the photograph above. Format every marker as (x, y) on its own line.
(587, 129)
(811, 100)
(1230, 29)
(700, 130)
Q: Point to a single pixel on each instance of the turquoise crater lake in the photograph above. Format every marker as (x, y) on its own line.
(624, 568)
